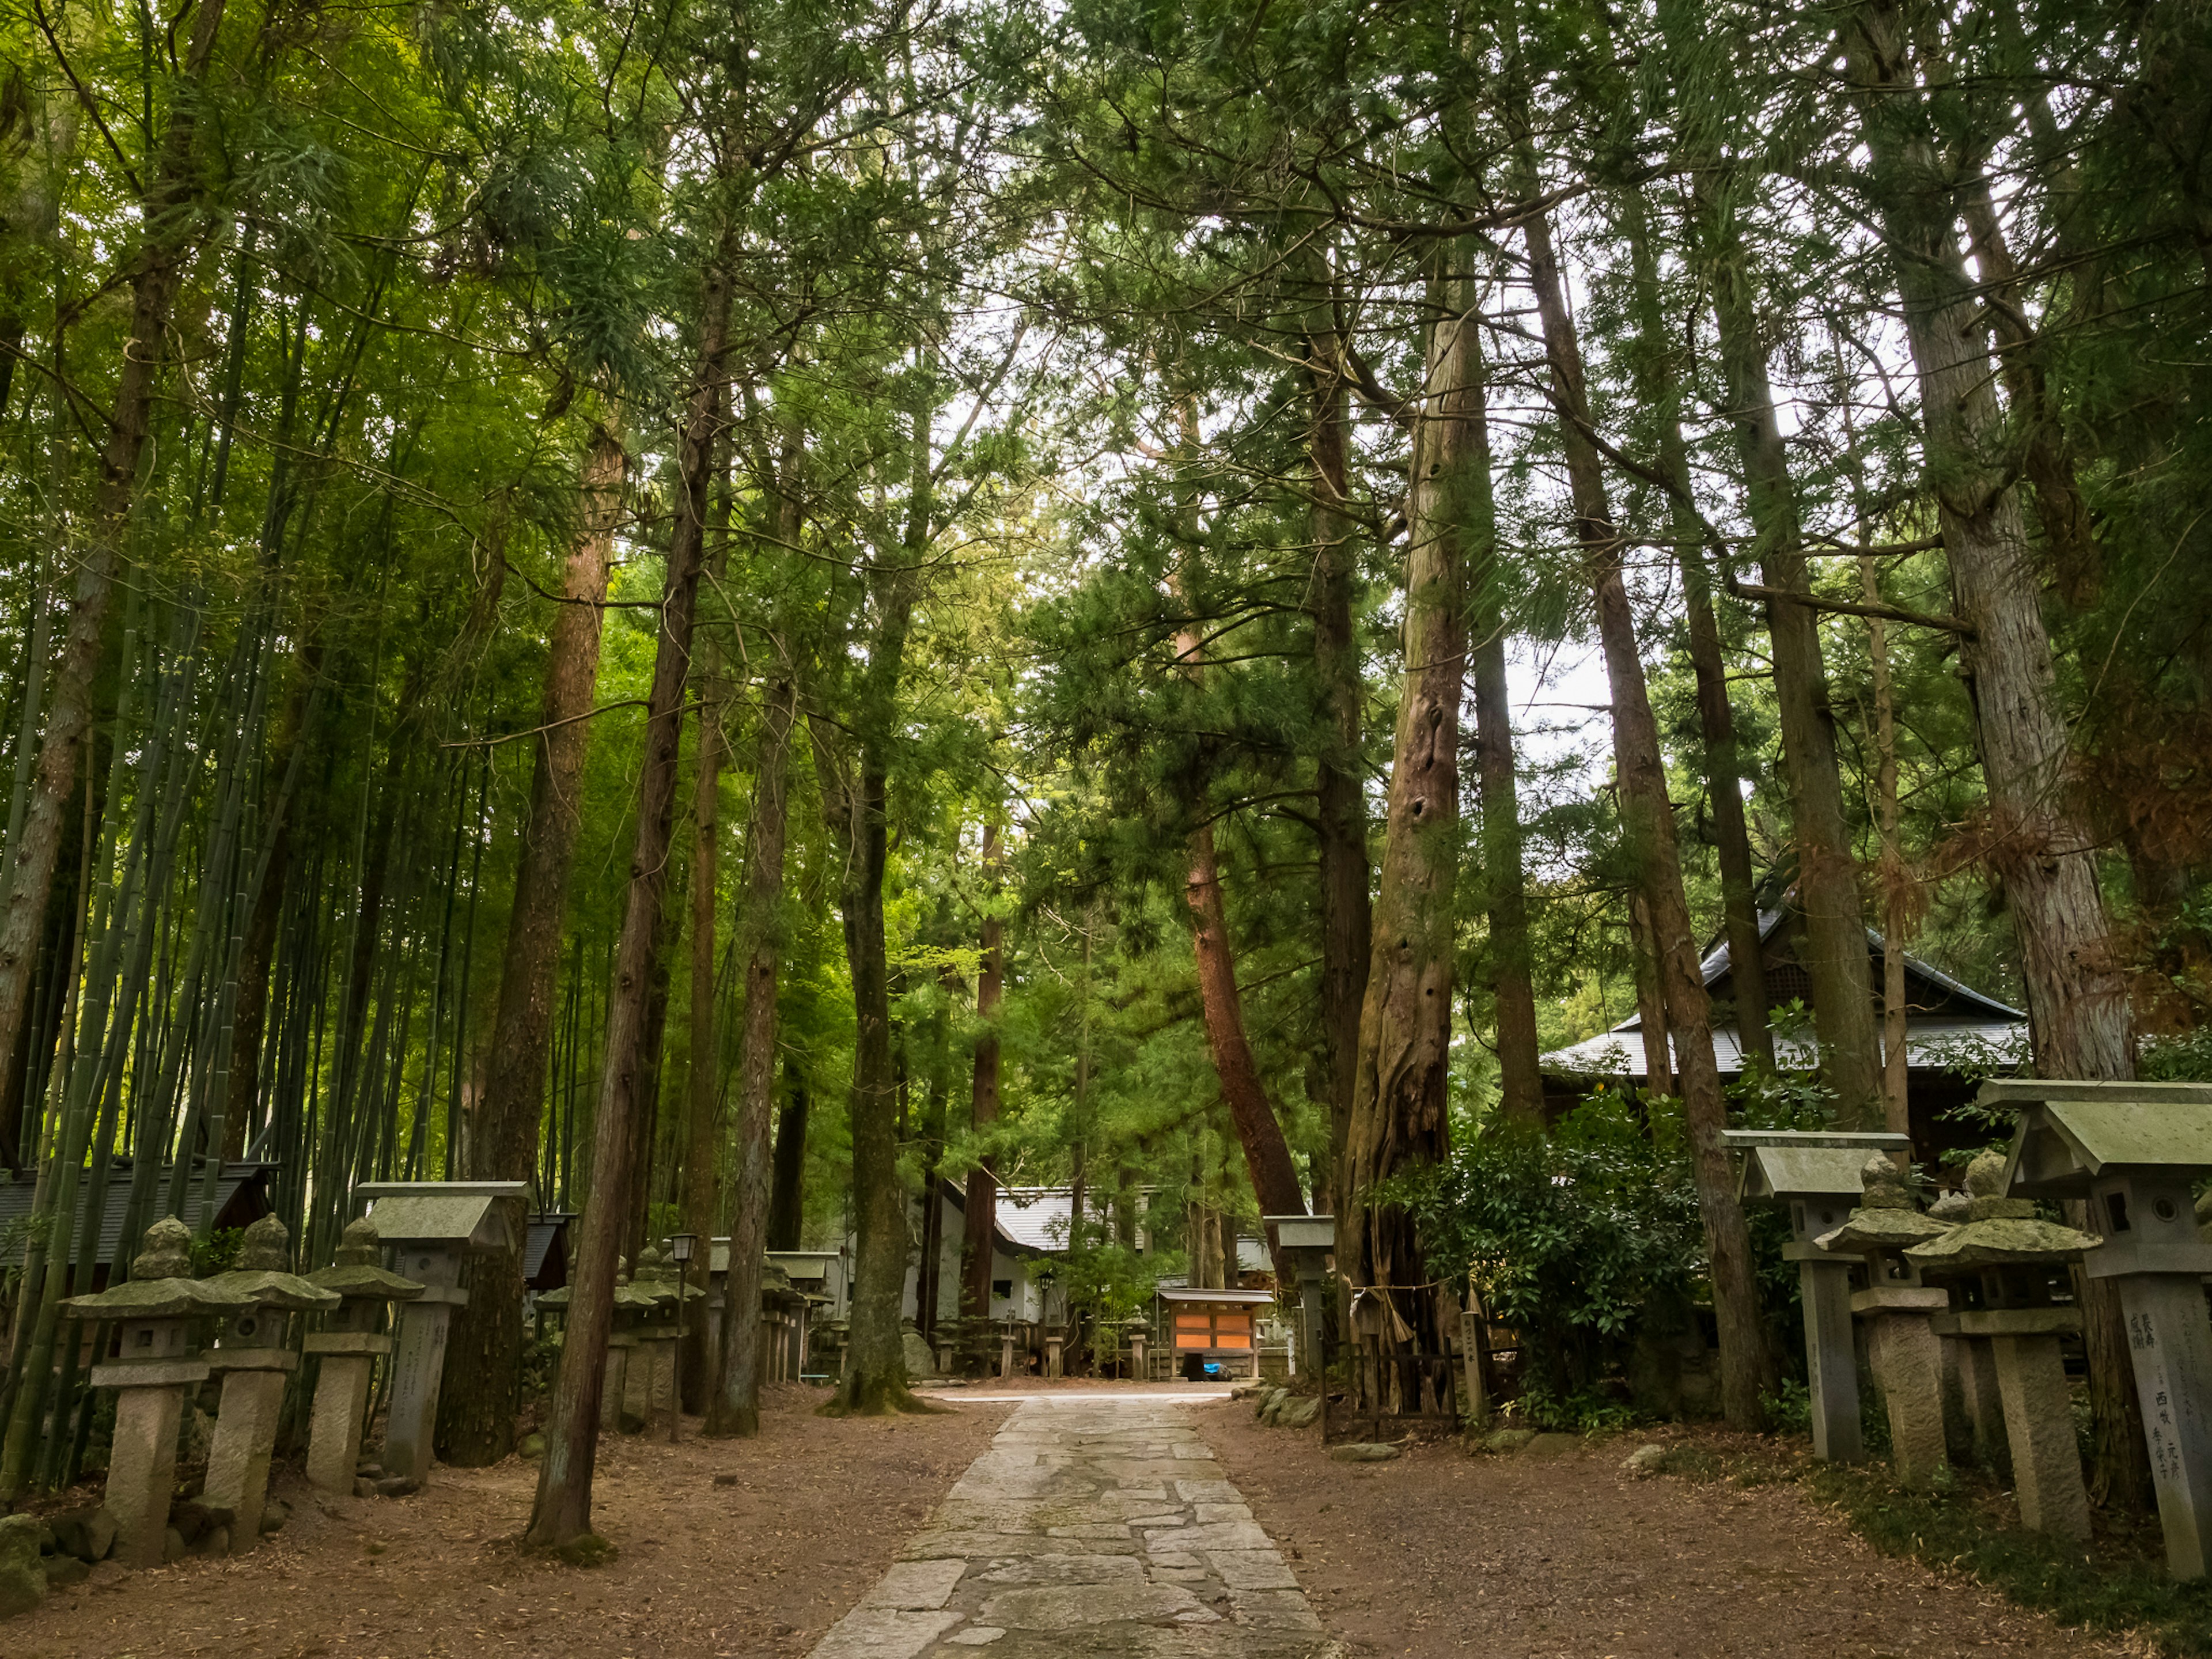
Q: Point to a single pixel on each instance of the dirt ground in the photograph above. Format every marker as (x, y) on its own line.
(759, 1568)
(1515, 1558)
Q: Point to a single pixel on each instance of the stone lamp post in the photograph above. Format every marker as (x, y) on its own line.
(1999, 1268)
(652, 1368)
(629, 1304)
(1816, 1178)
(255, 1359)
(156, 1360)
(2135, 1152)
(1306, 1242)
(349, 1345)
(432, 1228)
(1908, 1360)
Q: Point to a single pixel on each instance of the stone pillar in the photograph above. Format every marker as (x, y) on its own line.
(1052, 1349)
(2039, 1420)
(1140, 1356)
(1474, 1345)
(2171, 1341)
(1831, 1368)
(349, 1362)
(418, 1364)
(1007, 1352)
(1983, 1402)
(141, 1468)
(614, 1380)
(245, 1436)
(1908, 1364)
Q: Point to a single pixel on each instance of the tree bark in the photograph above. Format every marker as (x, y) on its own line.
(564, 1508)
(1512, 985)
(475, 1409)
(2040, 844)
(787, 1209)
(1266, 1154)
(1399, 1117)
(1895, 879)
(1340, 782)
(734, 1408)
(1649, 816)
(171, 222)
(980, 1214)
(701, 1184)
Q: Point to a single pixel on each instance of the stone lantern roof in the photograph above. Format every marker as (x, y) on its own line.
(355, 1273)
(1886, 1219)
(262, 1277)
(1998, 1231)
(160, 1286)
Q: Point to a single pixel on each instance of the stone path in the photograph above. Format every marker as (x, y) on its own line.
(1098, 1526)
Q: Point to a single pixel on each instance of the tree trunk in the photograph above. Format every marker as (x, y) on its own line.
(475, 1409)
(734, 1408)
(787, 1209)
(1266, 1154)
(2040, 846)
(875, 1381)
(980, 1214)
(564, 1508)
(1650, 976)
(1339, 781)
(1648, 818)
(1895, 879)
(1512, 986)
(171, 222)
(1399, 1117)
(701, 1185)
(1835, 949)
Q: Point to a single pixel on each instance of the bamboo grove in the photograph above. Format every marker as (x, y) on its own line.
(734, 609)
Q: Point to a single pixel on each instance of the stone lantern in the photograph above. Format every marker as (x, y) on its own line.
(1305, 1242)
(651, 1382)
(1999, 1268)
(1908, 1360)
(255, 1359)
(1816, 1177)
(2135, 1151)
(156, 1360)
(630, 1303)
(349, 1345)
(432, 1228)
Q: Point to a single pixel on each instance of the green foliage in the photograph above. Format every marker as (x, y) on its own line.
(217, 1251)
(1583, 1411)
(1569, 1238)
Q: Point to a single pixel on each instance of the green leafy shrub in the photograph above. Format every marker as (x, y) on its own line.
(1570, 1238)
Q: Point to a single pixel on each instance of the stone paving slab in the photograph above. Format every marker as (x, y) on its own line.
(1095, 1528)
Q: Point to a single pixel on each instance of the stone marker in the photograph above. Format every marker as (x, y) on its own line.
(1907, 1359)
(254, 1359)
(156, 1360)
(1998, 1269)
(432, 1227)
(349, 1346)
(1815, 1177)
(2134, 1150)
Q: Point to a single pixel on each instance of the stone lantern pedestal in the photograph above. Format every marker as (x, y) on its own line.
(1055, 1341)
(1998, 1269)
(254, 1359)
(2134, 1152)
(1816, 1178)
(156, 1310)
(1901, 1343)
(1006, 1350)
(349, 1347)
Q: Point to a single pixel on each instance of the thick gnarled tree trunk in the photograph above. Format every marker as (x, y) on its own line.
(2039, 843)
(1398, 1115)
